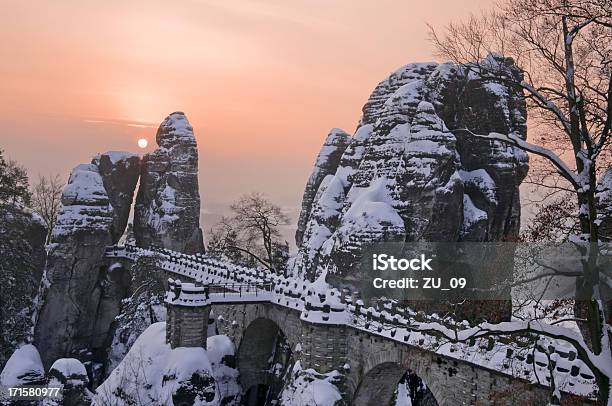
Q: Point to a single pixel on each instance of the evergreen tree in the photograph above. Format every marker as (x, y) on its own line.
(20, 263)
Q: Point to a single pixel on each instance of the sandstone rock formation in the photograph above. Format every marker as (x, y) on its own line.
(604, 208)
(327, 161)
(120, 172)
(83, 294)
(167, 211)
(412, 173)
(75, 265)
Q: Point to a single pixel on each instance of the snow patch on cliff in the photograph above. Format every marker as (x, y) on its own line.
(85, 203)
(471, 213)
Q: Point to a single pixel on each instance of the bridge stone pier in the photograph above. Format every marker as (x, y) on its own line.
(371, 347)
(188, 310)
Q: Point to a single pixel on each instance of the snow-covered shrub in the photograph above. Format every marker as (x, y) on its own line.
(307, 387)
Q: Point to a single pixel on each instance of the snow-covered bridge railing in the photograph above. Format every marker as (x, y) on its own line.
(319, 303)
(239, 292)
(227, 293)
(224, 283)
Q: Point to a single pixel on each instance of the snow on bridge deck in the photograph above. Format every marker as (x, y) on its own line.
(234, 284)
(190, 294)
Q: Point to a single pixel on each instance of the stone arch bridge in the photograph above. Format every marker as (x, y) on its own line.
(327, 330)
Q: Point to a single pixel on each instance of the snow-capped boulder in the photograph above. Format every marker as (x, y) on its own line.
(119, 171)
(24, 367)
(70, 375)
(167, 211)
(412, 173)
(152, 370)
(69, 370)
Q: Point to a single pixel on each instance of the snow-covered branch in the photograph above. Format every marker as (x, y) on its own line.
(513, 139)
(547, 104)
(600, 363)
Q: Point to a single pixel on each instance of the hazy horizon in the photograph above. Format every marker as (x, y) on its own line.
(262, 83)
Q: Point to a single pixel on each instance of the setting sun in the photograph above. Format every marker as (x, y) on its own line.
(142, 143)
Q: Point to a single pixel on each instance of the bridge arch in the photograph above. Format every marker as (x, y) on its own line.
(382, 373)
(262, 359)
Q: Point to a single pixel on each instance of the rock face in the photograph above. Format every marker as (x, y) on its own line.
(81, 295)
(167, 211)
(411, 174)
(22, 260)
(75, 266)
(604, 208)
(327, 161)
(120, 172)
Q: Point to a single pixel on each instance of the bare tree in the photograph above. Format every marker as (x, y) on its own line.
(565, 50)
(225, 240)
(555, 219)
(47, 200)
(259, 219)
(252, 230)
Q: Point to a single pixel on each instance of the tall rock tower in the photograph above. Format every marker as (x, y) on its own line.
(411, 173)
(82, 296)
(82, 293)
(167, 211)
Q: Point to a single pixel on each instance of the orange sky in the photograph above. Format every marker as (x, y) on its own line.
(261, 82)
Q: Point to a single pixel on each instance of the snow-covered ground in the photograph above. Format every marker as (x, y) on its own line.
(153, 371)
(307, 387)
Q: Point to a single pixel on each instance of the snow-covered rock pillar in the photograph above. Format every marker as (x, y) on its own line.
(188, 308)
(167, 210)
